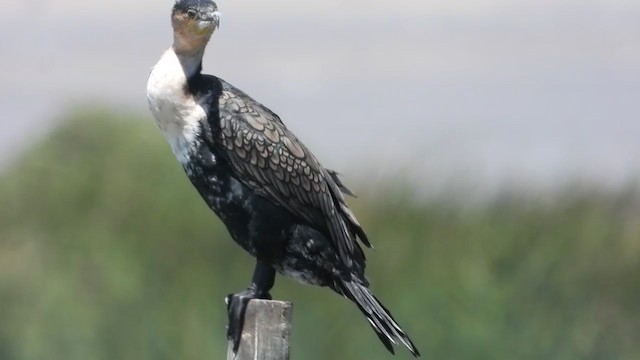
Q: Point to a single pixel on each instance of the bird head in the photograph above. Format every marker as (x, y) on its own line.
(193, 23)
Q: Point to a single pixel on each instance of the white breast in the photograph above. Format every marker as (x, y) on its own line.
(177, 114)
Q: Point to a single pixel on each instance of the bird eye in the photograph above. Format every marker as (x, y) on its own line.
(191, 13)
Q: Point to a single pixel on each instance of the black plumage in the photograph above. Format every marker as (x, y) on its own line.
(245, 169)
(275, 198)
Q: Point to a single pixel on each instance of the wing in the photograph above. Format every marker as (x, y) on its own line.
(268, 158)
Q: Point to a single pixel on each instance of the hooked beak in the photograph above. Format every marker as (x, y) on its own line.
(208, 22)
(214, 17)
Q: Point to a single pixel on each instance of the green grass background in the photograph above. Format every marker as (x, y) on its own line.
(106, 252)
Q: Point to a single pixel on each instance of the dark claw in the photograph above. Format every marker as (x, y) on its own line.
(237, 307)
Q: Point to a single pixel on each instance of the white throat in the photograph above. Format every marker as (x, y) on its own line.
(190, 62)
(177, 113)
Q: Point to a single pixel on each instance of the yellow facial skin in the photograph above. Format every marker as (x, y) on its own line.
(191, 34)
(201, 28)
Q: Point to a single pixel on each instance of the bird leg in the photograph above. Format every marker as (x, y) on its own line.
(263, 279)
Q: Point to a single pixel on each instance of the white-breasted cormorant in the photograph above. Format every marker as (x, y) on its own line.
(276, 200)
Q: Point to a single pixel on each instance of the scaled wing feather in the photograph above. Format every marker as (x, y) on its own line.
(273, 162)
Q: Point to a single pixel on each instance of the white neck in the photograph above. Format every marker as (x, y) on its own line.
(177, 112)
(190, 61)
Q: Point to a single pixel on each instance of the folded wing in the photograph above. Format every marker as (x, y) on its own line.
(267, 157)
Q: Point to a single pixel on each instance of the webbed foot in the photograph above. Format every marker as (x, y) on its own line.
(237, 307)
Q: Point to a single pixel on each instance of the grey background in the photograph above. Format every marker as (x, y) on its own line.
(535, 93)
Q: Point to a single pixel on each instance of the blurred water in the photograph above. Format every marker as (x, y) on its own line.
(534, 92)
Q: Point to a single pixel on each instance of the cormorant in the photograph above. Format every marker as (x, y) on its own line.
(275, 198)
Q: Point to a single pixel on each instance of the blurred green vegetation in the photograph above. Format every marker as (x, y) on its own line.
(106, 252)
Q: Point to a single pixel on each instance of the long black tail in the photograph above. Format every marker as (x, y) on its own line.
(379, 317)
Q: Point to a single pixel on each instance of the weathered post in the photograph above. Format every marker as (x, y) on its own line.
(265, 335)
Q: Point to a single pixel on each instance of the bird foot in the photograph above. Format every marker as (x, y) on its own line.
(236, 307)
